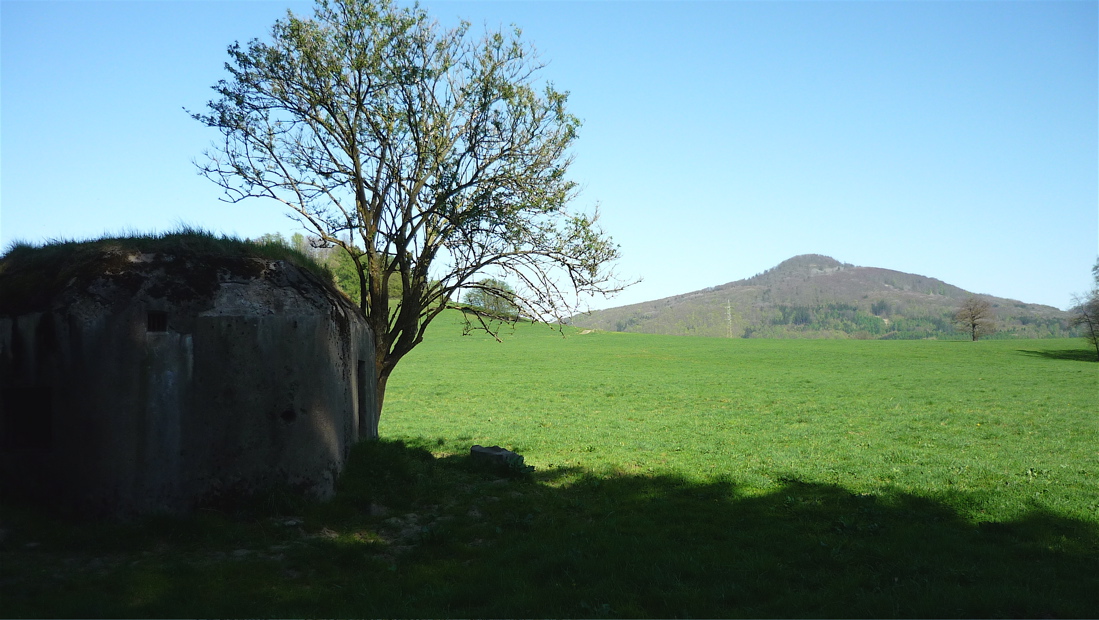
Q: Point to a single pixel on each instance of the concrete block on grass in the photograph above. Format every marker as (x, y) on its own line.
(499, 459)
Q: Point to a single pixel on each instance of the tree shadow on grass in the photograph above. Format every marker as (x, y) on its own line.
(1075, 355)
(410, 534)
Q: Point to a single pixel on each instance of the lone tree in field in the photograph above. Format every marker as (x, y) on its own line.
(427, 155)
(976, 317)
(1087, 312)
(494, 298)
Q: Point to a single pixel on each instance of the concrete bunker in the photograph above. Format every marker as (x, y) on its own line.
(154, 375)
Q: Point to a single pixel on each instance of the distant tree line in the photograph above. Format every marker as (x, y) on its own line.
(883, 320)
(490, 296)
(337, 261)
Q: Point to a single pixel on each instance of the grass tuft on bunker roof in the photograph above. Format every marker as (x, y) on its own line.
(31, 274)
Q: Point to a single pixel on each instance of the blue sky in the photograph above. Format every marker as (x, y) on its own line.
(957, 140)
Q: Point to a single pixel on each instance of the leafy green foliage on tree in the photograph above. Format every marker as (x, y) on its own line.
(428, 156)
(338, 262)
(493, 297)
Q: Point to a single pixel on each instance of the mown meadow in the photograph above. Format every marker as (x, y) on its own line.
(674, 477)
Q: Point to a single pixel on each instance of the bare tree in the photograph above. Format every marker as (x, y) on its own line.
(1086, 312)
(428, 156)
(976, 317)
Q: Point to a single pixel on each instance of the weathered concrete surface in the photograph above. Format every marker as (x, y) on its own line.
(164, 384)
(500, 459)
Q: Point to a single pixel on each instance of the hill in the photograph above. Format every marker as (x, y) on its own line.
(814, 296)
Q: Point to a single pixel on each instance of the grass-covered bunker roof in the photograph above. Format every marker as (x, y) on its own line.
(32, 277)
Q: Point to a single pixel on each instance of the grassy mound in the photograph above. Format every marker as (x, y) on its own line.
(32, 275)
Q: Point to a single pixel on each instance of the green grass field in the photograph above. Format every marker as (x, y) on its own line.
(993, 428)
(675, 477)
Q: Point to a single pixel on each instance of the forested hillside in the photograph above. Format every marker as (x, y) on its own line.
(814, 296)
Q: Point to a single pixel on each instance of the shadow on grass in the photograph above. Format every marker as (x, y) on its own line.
(1075, 355)
(410, 534)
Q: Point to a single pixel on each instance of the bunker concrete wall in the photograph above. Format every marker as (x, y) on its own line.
(102, 415)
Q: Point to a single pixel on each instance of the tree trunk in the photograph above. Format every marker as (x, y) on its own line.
(383, 378)
(381, 371)
(1092, 335)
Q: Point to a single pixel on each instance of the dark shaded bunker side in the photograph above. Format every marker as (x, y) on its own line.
(137, 380)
